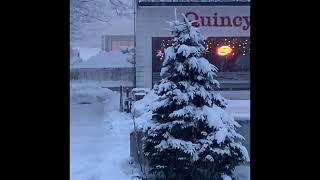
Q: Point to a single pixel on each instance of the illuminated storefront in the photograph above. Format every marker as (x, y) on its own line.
(228, 54)
(226, 26)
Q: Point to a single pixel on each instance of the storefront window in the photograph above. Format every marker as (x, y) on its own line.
(231, 55)
(237, 60)
(228, 54)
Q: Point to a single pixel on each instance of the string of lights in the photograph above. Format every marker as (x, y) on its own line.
(238, 46)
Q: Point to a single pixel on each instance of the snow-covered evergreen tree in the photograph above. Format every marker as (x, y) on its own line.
(190, 136)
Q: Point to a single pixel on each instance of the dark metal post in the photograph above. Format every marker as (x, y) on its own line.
(121, 99)
(134, 43)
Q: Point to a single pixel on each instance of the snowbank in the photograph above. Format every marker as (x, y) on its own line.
(113, 59)
(87, 92)
(86, 53)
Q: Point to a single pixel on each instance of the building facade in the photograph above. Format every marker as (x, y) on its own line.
(223, 24)
(116, 42)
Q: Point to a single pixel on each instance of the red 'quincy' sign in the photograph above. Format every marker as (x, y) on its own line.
(219, 21)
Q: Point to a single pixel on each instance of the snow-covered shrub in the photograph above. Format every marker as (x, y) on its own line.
(130, 53)
(87, 92)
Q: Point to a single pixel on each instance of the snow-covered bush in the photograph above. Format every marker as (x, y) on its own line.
(130, 53)
(189, 135)
(87, 92)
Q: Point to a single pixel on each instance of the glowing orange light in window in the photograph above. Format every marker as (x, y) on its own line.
(224, 50)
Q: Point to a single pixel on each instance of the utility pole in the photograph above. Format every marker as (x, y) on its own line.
(134, 44)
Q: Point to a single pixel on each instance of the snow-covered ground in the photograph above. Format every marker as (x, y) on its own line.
(240, 109)
(99, 142)
(236, 95)
(86, 92)
(99, 138)
(107, 83)
(87, 52)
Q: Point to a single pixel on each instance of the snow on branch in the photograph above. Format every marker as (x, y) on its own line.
(186, 146)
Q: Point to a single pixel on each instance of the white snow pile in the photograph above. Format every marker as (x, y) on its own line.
(86, 92)
(112, 59)
(141, 106)
(86, 52)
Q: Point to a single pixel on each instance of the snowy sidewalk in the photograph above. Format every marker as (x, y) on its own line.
(99, 149)
(87, 140)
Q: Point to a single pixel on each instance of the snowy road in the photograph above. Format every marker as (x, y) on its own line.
(98, 150)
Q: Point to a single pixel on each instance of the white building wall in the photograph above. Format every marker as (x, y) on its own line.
(151, 22)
